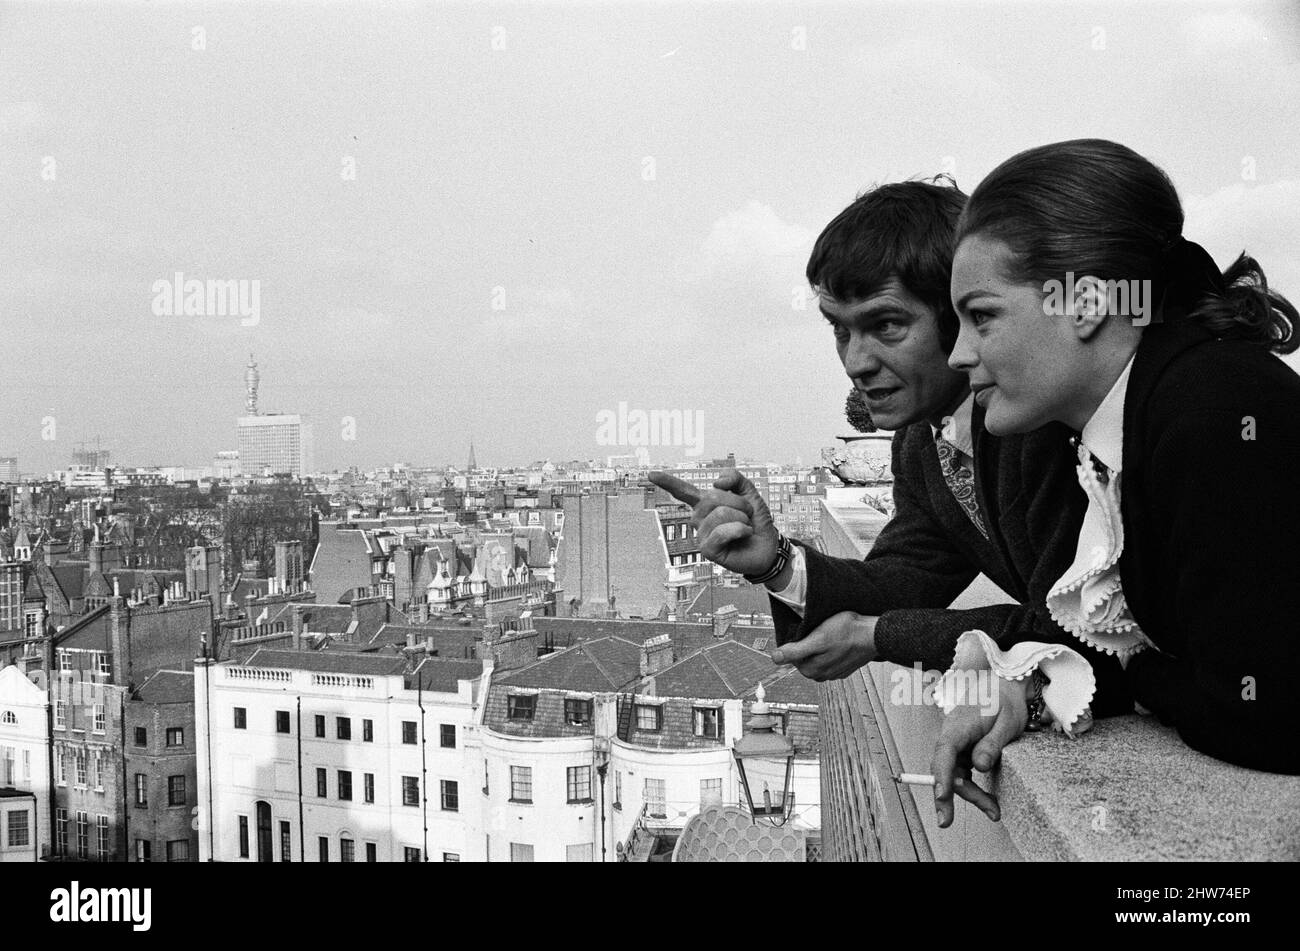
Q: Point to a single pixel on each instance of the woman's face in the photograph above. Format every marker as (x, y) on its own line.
(1023, 362)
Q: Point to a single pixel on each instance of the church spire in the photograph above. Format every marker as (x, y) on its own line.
(472, 464)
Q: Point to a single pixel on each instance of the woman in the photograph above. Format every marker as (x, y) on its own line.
(1080, 302)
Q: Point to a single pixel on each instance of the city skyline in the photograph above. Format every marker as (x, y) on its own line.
(499, 223)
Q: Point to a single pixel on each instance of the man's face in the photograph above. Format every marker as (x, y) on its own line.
(889, 345)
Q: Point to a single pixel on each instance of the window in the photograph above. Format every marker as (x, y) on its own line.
(655, 798)
(320, 725)
(60, 716)
(286, 842)
(521, 852)
(175, 790)
(343, 727)
(96, 774)
(410, 855)
(103, 663)
(450, 795)
(241, 718)
(18, 830)
(408, 732)
(521, 784)
(60, 768)
(670, 532)
(61, 831)
(97, 718)
(487, 778)
(143, 850)
(708, 721)
(410, 791)
(323, 846)
(577, 712)
(710, 792)
(345, 784)
(83, 835)
(579, 853)
(648, 717)
(175, 736)
(178, 850)
(372, 852)
(101, 838)
(9, 719)
(79, 767)
(322, 781)
(282, 721)
(578, 783)
(27, 765)
(7, 765)
(521, 706)
(368, 786)
(243, 837)
(367, 731)
(618, 789)
(141, 789)
(141, 737)
(450, 857)
(347, 850)
(447, 736)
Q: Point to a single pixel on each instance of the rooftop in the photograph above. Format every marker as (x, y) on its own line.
(328, 662)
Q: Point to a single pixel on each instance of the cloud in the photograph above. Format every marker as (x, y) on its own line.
(1216, 33)
(19, 119)
(754, 242)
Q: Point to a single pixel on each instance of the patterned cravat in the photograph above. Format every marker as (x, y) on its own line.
(960, 480)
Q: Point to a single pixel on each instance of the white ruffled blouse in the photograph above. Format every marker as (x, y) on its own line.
(1088, 600)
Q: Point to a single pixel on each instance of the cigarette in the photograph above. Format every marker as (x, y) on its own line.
(921, 779)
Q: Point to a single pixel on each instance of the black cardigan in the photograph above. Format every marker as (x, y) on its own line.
(1211, 562)
(1028, 491)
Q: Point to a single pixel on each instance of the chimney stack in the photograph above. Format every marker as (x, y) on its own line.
(656, 654)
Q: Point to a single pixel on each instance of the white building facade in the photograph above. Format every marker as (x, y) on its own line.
(306, 765)
(24, 768)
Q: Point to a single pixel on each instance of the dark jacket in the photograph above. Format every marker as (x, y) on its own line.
(1211, 565)
(1028, 492)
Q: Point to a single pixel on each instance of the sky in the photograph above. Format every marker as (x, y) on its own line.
(499, 222)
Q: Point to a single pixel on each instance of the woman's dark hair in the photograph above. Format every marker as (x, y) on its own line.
(1095, 207)
(902, 229)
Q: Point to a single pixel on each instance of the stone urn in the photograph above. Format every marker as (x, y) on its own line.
(864, 459)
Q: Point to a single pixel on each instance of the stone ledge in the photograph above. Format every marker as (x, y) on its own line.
(1131, 790)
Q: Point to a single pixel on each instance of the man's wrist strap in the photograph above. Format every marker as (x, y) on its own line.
(784, 552)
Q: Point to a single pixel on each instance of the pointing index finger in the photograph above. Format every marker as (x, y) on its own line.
(681, 491)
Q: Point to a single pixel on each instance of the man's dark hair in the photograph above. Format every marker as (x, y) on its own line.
(902, 229)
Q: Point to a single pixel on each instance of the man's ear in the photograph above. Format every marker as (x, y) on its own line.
(1091, 306)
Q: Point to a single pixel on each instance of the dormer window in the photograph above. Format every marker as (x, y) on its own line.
(577, 711)
(521, 706)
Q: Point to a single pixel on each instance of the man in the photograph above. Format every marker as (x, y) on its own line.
(965, 502)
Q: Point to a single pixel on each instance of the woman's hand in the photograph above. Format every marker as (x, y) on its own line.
(973, 735)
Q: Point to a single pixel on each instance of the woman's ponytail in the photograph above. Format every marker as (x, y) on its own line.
(1248, 310)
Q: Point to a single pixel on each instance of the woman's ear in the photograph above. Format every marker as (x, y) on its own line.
(1091, 306)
